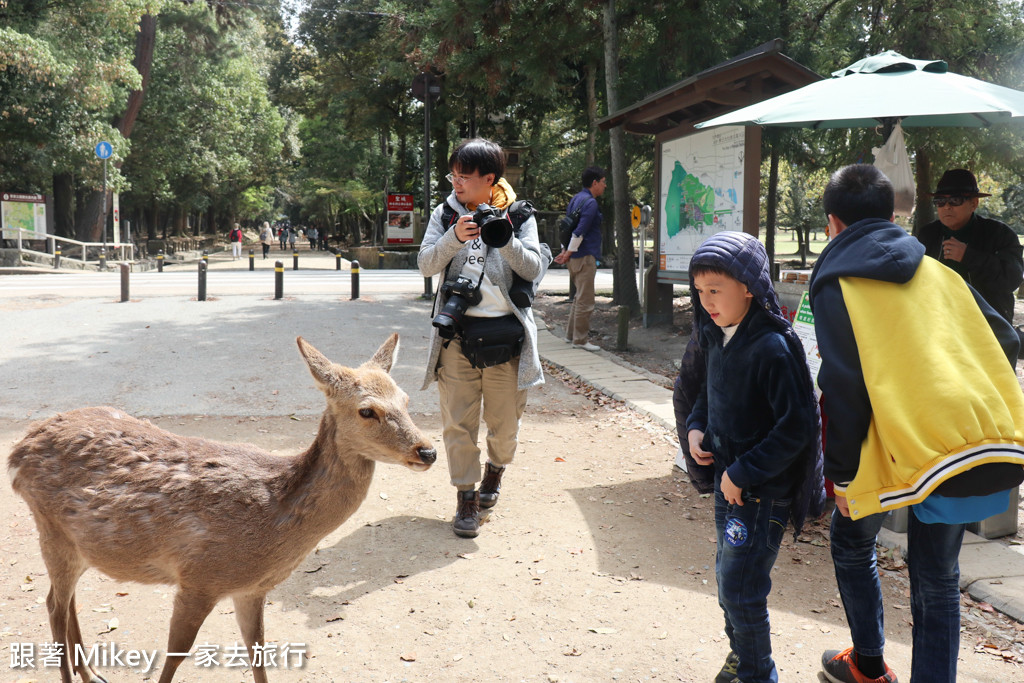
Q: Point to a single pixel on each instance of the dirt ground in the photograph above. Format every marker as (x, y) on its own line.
(596, 565)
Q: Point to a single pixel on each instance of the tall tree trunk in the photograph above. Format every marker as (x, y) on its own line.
(624, 289)
(923, 211)
(90, 222)
(592, 128)
(772, 204)
(64, 204)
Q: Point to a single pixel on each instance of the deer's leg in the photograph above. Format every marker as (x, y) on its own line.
(87, 673)
(190, 611)
(249, 614)
(65, 566)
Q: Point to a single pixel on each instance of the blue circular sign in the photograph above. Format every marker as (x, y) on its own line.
(104, 150)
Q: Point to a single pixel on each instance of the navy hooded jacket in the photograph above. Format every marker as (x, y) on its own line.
(757, 409)
(876, 249)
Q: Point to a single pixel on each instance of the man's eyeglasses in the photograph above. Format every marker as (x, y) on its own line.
(456, 180)
(952, 201)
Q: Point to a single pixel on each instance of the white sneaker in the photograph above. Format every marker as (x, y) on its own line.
(587, 346)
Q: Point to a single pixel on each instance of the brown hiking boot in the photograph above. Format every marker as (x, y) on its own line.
(467, 515)
(490, 487)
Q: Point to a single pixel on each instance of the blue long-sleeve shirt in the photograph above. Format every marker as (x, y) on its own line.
(589, 226)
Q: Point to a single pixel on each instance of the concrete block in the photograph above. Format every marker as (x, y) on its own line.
(1006, 595)
(980, 561)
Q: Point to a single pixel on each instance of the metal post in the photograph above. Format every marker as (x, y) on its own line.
(295, 259)
(278, 279)
(252, 260)
(104, 212)
(206, 256)
(428, 288)
(160, 261)
(380, 260)
(355, 280)
(202, 281)
(337, 261)
(124, 282)
(56, 256)
(103, 258)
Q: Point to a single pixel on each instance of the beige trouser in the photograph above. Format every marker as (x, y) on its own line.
(462, 387)
(582, 270)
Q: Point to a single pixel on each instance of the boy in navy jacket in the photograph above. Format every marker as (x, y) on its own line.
(756, 419)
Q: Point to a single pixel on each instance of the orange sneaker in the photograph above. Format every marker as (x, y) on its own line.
(839, 667)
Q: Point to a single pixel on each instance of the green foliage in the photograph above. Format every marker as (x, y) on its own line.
(63, 67)
(208, 134)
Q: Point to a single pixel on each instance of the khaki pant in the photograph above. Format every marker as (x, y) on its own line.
(463, 388)
(582, 270)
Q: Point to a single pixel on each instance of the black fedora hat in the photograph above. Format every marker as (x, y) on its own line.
(958, 182)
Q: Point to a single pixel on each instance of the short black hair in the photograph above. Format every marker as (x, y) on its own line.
(591, 175)
(858, 191)
(478, 155)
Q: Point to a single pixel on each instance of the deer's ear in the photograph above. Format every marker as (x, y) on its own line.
(387, 354)
(320, 367)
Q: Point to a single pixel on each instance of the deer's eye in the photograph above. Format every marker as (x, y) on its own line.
(367, 413)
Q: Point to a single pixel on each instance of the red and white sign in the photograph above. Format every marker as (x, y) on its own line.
(399, 228)
(400, 202)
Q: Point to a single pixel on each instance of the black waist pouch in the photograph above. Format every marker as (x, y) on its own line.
(487, 342)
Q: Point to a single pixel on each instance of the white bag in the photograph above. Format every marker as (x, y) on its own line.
(892, 160)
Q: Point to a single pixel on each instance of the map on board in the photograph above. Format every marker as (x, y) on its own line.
(701, 193)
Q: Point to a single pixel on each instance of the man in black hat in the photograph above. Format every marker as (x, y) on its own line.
(985, 252)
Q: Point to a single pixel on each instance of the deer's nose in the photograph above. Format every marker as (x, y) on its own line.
(427, 455)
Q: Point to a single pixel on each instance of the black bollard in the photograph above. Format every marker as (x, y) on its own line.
(278, 280)
(206, 257)
(252, 260)
(295, 260)
(428, 287)
(103, 259)
(337, 261)
(56, 256)
(355, 280)
(622, 336)
(160, 261)
(124, 282)
(380, 260)
(202, 281)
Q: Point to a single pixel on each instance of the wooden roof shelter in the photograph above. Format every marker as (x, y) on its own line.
(753, 76)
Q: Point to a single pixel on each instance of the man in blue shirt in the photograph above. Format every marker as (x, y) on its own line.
(581, 255)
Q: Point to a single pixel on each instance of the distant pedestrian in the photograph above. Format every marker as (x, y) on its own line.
(266, 238)
(293, 234)
(313, 235)
(282, 234)
(581, 256)
(235, 236)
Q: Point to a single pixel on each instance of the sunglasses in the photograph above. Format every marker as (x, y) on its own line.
(952, 201)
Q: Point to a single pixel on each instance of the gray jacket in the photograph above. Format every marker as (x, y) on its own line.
(522, 254)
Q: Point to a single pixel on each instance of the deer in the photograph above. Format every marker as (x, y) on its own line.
(142, 504)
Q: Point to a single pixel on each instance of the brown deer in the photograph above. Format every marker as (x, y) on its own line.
(142, 504)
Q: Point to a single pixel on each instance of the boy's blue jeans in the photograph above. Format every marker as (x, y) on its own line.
(748, 543)
(933, 559)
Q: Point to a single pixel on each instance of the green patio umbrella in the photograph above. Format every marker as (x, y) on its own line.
(880, 90)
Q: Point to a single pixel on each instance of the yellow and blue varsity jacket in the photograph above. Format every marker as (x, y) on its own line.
(914, 374)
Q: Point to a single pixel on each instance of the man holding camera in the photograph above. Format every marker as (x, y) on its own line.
(483, 348)
(581, 254)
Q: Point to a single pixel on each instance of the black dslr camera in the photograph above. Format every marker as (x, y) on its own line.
(495, 226)
(462, 294)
